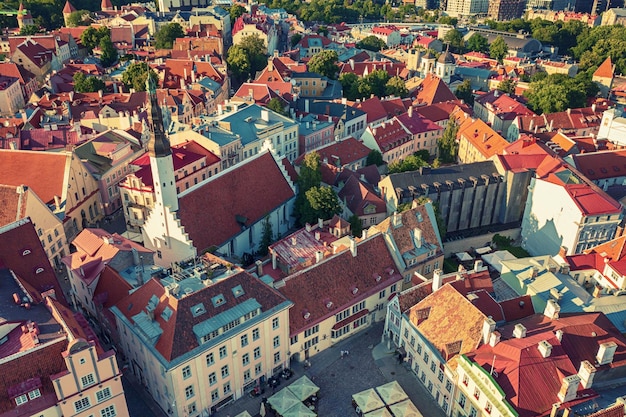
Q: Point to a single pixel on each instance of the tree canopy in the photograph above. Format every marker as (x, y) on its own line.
(325, 63)
(465, 92)
(410, 163)
(108, 53)
(164, 37)
(507, 85)
(454, 38)
(371, 43)
(277, 105)
(477, 43)
(375, 158)
(77, 18)
(323, 202)
(91, 36)
(448, 146)
(246, 58)
(498, 49)
(235, 11)
(29, 30)
(87, 83)
(136, 75)
(558, 92)
(377, 82)
(310, 177)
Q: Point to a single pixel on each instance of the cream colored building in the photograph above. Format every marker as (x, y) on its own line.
(11, 97)
(201, 342)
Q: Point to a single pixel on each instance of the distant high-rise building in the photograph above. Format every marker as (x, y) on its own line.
(506, 9)
(551, 4)
(468, 8)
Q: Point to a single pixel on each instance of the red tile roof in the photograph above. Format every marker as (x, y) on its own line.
(503, 105)
(209, 211)
(433, 90)
(364, 68)
(439, 112)
(601, 165)
(21, 252)
(357, 196)
(390, 135)
(530, 382)
(311, 289)
(416, 123)
(345, 152)
(177, 337)
(12, 208)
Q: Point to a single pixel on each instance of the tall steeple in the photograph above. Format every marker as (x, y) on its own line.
(158, 145)
(161, 161)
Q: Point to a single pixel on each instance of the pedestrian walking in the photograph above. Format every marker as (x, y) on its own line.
(342, 354)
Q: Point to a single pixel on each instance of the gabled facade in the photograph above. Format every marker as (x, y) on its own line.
(499, 110)
(260, 25)
(200, 342)
(414, 240)
(478, 141)
(392, 139)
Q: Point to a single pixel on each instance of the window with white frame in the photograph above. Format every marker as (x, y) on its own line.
(87, 380)
(82, 404)
(276, 357)
(275, 323)
(225, 372)
(103, 394)
(256, 335)
(187, 372)
(245, 359)
(189, 392)
(257, 352)
(276, 341)
(215, 395)
(212, 378)
(21, 399)
(108, 411)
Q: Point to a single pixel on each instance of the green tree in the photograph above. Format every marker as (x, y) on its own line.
(558, 92)
(87, 83)
(295, 39)
(350, 85)
(267, 238)
(356, 226)
(238, 63)
(465, 92)
(447, 20)
(29, 30)
(448, 145)
(255, 50)
(108, 53)
(91, 37)
(396, 87)
(324, 203)
(507, 85)
(373, 83)
(374, 158)
(77, 18)
(277, 105)
(371, 43)
(477, 43)
(410, 163)
(235, 11)
(309, 177)
(164, 38)
(325, 63)
(498, 49)
(455, 39)
(136, 75)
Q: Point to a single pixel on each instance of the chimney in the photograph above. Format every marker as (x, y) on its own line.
(563, 252)
(494, 339)
(265, 115)
(353, 246)
(605, 353)
(489, 326)
(552, 310)
(396, 220)
(410, 111)
(100, 93)
(545, 348)
(270, 64)
(597, 291)
(294, 240)
(319, 256)
(364, 233)
(417, 236)
(485, 137)
(437, 279)
(274, 260)
(182, 83)
(519, 332)
(317, 235)
(478, 265)
(586, 372)
(593, 107)
(220, 109)
(306, 106)
(259, 268)
(569, 387)
(559, 335)
(351, 62)
(308, 227)
(320, 223)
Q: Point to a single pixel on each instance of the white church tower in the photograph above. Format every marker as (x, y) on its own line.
(162, 231)
(445, 66)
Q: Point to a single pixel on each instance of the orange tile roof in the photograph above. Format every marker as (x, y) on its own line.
(12, 208)
(613, 249)
(434, 90)
(445, 324)
(482, 137)
(605, 70)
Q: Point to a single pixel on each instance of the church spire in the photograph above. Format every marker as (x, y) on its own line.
(158, 145)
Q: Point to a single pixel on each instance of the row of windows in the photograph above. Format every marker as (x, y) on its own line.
(102, 395)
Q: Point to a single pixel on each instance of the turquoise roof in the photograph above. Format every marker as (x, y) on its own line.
(248, 124)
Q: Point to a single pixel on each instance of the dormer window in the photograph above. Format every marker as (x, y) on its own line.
(218, 300)
(26, 252)
(39, 270)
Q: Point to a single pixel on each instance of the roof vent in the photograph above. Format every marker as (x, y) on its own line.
(306, 314)
(355, 290)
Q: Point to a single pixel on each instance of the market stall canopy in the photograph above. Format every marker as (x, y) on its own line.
(391, 393)
(405, 409)
(243, 414)
(283, 400)
(368, 400)
(381, 412)
(299, 410)
(303, 388)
